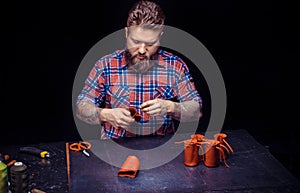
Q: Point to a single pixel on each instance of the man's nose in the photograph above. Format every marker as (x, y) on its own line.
(142, 48)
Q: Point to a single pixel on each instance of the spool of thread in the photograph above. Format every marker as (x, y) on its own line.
(3, 178)
(19, 178)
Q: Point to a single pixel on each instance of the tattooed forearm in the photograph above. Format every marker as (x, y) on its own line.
(88, 112)
(187, 111)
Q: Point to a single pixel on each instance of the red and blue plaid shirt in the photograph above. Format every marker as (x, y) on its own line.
(112, 84)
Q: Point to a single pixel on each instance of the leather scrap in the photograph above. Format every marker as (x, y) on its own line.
(130, 167)
(134, 114)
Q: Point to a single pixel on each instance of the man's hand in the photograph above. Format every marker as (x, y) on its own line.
(184, 111)
(117, 117)
(157, 107)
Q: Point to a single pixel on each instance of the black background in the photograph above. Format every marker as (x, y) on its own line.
(255, 44)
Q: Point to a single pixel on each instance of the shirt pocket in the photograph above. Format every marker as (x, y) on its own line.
(165, 92)
(118, 96)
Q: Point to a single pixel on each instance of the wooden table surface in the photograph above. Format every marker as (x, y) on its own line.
(252, 169)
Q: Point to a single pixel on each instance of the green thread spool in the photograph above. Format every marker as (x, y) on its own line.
(3, 178)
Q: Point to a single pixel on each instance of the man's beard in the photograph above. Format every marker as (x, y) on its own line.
(140, 66)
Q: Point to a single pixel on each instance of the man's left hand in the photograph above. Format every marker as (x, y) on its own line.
(157, 107)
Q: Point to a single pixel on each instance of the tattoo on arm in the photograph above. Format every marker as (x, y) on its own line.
(88, 112)
(177, 111)
(187, 111)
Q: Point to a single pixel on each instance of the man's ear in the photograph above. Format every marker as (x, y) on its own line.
(160, 35)
(126, 32)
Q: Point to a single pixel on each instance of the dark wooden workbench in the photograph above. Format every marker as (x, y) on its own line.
(252, 169)
(49, 175)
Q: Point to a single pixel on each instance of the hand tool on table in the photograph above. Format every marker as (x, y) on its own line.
(68, 165)
(82, 146)
(35, 151)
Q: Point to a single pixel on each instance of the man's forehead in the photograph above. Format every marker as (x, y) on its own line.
(145, 34)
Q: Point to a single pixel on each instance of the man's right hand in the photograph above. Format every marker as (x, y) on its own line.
(117, 117)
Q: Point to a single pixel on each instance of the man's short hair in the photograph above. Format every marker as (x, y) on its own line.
(147, 14)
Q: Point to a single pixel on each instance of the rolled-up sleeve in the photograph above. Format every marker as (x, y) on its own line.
(186, 89)
(93, 89)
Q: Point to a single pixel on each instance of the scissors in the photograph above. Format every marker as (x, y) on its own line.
(81, 146)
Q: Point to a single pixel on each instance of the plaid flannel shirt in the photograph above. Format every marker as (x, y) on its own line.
(112, 84)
